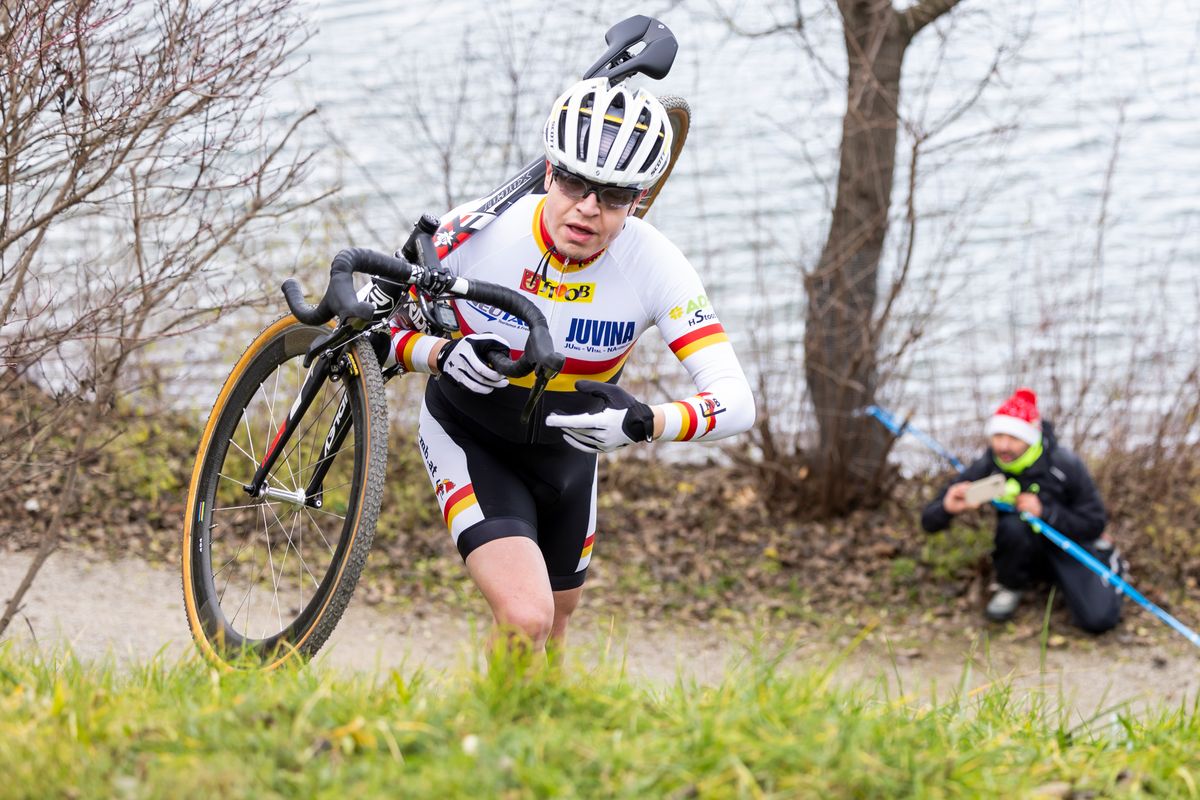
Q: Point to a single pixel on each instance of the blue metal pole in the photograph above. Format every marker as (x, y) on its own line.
(1039, 525)
(900, 428)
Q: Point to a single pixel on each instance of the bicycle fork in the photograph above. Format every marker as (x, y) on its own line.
(339, 428)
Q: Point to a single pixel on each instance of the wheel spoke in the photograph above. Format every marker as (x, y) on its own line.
(253, 580)
(328, 513)
(255, 504)
(291, 543)
(304, 565)
(271, 565)
(320, 532)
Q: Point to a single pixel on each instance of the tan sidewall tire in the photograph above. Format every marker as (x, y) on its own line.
(362, 532)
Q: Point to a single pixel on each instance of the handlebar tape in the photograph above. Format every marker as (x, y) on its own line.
(341, 300)
(539, 347)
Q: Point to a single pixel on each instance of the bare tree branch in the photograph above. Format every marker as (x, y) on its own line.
(138, 132)
(917, 16)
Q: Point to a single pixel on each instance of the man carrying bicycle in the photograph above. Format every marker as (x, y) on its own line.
(520, 500)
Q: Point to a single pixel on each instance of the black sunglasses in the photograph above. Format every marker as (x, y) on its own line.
(577, 188)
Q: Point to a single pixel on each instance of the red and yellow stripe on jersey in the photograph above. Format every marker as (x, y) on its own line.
(461, 510)
(575, 369)
(692, 418)
(694, 341)
(412, 349)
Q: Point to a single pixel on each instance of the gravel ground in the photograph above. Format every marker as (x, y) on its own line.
(131, 609)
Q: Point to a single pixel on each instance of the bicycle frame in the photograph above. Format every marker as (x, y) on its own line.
(328, 367)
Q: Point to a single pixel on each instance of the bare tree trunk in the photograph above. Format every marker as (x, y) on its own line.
(841, 344)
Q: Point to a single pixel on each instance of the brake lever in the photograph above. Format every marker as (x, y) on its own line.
(541, 380)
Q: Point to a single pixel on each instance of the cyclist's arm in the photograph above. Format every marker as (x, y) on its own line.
(723, 404)
(413, 350)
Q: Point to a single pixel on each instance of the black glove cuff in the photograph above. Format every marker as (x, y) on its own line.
(639, 423)
(444, 354)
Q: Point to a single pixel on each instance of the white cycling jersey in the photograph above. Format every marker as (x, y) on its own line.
(596, 310)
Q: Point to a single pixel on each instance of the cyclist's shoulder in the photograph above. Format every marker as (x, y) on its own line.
(644, 246)
(471, 233)
(468, 214)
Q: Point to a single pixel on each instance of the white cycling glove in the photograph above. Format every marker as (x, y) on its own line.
(623, 421)
(464, 362)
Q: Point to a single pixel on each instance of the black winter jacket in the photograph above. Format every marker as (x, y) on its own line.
(1070, 502)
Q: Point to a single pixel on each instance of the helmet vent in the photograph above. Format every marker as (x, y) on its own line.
(612, 134)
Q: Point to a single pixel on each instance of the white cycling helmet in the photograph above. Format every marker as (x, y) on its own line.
(617, 136)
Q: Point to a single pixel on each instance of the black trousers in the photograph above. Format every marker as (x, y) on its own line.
(1022, 558)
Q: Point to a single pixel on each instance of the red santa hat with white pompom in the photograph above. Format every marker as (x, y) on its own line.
(1018, 416)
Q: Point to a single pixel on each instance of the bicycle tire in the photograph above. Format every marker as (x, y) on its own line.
(227, 531)
(680, 115)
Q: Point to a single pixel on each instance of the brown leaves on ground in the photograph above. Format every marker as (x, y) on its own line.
(695, 542)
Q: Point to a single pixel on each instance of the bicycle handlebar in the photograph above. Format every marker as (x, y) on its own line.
(341, 300)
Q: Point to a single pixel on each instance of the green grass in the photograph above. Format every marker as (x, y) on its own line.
(76, 729)
(950, 554)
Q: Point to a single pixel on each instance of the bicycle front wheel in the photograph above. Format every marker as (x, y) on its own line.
(267, 577)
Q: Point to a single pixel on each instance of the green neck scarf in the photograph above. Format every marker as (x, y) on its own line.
(1023, 461)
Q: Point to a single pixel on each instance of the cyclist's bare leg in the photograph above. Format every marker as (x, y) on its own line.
(511, 573)
(565, 603)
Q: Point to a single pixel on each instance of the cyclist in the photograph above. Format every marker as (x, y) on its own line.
(520, 501)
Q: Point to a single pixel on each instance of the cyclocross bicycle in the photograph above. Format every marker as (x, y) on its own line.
(288, 480)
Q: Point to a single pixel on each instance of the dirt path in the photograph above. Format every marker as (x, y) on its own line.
(132, 610)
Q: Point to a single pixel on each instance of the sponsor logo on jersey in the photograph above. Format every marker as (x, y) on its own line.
(710, 406)
(499, 315)
(444, 486)
(698, 304)
(600, 332)
(558, 292)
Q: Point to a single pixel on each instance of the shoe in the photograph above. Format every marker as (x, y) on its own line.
(1110, 556)
(1003, 604)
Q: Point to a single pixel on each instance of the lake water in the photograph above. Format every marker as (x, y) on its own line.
(1058, 241)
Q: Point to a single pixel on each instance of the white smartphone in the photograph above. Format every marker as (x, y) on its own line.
(986, 489)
